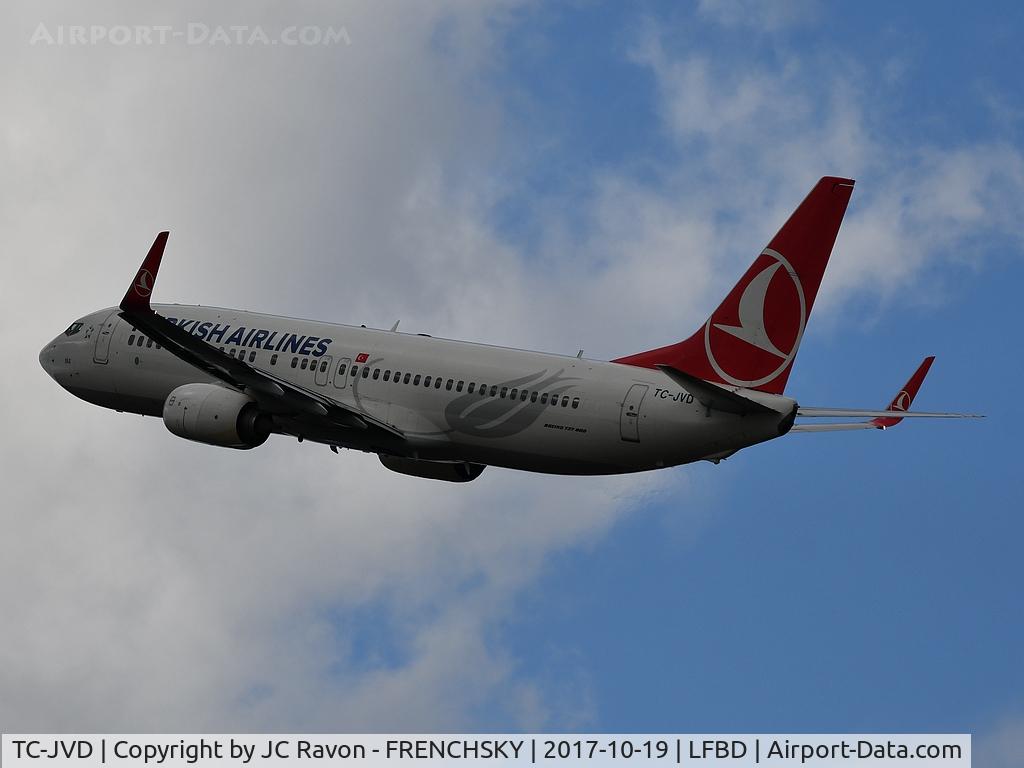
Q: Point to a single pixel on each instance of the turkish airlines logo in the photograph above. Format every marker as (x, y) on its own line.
(746, 354)
(902, 401)
(144, 283)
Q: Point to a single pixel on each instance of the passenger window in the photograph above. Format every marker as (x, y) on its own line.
(252, 357)
(513, 394)
(323, 367)
(504, 391)
(366, 371)
(273, 359)
(458, 387)
(232, 352)
(494, 390)
(387, 375)
(523, 395)
(341, 368)
(469, 389)
(376, 373)
(449, 384)
(416, 380)
(533, 397)
(304, 364)
(565, 400)
(354, 370)
(406, 379)
(575, 402)
(295, 361)
(149, 343)
(139, 342)
(438, 382)
(426, 382)
(131, 339)
(544, 399)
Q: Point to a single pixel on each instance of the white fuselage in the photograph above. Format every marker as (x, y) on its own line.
(483, 404)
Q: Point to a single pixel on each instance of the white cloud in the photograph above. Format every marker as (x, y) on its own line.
(765, 17)
(148, 583)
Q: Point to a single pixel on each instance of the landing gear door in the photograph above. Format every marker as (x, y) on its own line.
(106, 331)
(341, 373)
(323, 371)
(629, 420)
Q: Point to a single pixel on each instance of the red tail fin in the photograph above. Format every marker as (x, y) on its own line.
(752, 338)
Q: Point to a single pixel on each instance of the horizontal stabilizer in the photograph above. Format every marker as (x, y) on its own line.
(858, 413)
(833, 427)
(890, 417)
(713, 396)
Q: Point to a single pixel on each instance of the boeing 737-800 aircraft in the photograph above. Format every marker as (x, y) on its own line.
(446, 409)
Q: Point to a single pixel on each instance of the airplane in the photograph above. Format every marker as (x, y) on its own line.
(444, 409)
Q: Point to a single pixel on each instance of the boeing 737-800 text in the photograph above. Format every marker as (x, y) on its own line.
(446, 409)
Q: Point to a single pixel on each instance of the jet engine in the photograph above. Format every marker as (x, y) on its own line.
(450, 471)
(215, 415)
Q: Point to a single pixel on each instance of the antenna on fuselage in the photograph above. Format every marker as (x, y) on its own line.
(395, 326)
(579, 355)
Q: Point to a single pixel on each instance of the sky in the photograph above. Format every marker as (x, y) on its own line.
(550, 176)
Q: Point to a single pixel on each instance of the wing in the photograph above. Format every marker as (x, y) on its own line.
(274, 394)
(890, 417)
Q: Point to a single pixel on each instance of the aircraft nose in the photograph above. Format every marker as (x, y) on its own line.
(48, 358)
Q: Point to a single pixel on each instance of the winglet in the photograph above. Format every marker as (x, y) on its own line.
(905, 396)
(137, 297)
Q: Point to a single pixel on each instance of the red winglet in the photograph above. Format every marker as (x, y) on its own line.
(906, 395)
(137, 298)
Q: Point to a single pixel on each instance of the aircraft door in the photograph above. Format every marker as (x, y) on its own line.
(341, 373)
(629, 419)
(324, 366)
(102, 350)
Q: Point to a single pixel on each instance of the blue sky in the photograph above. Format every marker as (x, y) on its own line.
(860, 582)
(554, 176)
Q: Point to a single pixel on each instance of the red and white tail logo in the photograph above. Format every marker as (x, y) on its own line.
(752, 342)
(144, 283)
(752, 338)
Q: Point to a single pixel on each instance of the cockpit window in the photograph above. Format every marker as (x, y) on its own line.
(73, 329)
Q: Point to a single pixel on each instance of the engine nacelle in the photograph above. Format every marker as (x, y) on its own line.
(208, 413)
(450, 471)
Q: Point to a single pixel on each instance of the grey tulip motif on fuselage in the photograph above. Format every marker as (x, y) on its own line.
(480, 416)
